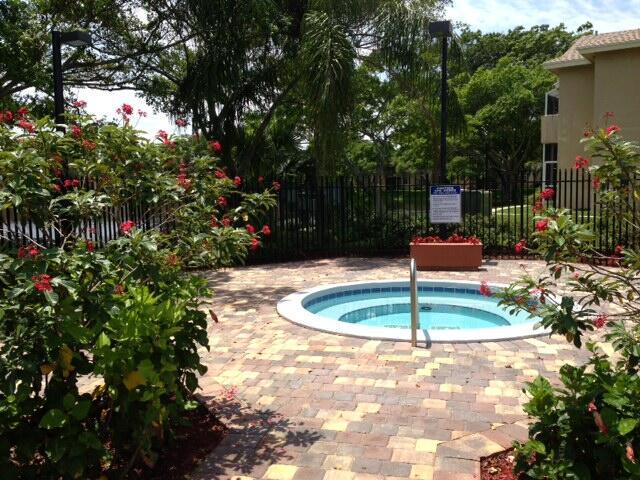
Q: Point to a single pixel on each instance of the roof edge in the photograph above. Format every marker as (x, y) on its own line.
(608, 48)
(557, 65)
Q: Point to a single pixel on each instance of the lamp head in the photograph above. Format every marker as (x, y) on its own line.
(78, 38)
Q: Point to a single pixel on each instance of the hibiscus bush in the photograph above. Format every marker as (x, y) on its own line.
(100, 341)
(589, 428)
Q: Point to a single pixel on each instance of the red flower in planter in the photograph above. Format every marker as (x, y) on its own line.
(581, 162)
(612, 129)
(79, 104)
(601, 320)
(619, 250)
(222, 201)
(215, 146)
(56, 187)
(276, 185)
(162, 135)
(484, 289)
(250, 228)
(7, 117)
(22, 111)
(220, 174)
(547, 194)
(42, 282)
(214, 222)
(183, 181)
(226, 221)
(596, 183)
(255, 244)
(266, 231)
(542, 225)
(76, 131)
(237, 181)
(89, 145)
(127, 226)
(27, 126)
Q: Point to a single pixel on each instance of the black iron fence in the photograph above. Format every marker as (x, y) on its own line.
(369, 215)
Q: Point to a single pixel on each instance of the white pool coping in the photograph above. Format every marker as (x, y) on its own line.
(291, 308)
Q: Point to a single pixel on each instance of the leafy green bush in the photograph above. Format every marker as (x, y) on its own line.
(100, 347)
(590, 427)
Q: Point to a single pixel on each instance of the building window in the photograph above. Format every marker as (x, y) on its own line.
(550, 163)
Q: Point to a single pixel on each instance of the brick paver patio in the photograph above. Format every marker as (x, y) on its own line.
(301, 404)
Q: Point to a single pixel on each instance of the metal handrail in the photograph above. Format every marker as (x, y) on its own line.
(414, 302)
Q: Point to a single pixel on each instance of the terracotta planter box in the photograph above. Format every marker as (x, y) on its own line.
(446, 256)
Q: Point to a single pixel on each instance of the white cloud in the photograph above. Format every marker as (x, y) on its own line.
(501, 15)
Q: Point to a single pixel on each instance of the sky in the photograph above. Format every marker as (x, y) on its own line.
(485, 15)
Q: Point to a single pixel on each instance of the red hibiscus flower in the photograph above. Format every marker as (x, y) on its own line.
(237, 181)
(22, 111)
(601, 320)
(484, 289)
(76, 131)
(542, 225)
(547, 194)
(592, 407)
(222, 201)
(226, 221)
(276, 186)
(619, 249)
(220, 174)
(181, 122)
(612, 129)
(89, 145)
(56, 187)
(162, 135)
(90, 246)
(127, 226)
(631, 456)
(214, 222)
(596, 183)
(79, 104)
(250, 228)
(255, 244)
(581, 162)
(125, 109)
(266, 231)
(30, 251)
(42, 282)
(7, 117)
(183, 181)
(215, 146)
(520, 246)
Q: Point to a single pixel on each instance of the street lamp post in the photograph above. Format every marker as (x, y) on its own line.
(445, 30)
(75, 39)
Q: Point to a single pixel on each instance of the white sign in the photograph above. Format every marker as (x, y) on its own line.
(445, 204)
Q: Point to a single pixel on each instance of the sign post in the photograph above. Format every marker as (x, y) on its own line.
(445, 204)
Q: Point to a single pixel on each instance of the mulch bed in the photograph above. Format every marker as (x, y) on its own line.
(192, 444)
(498, 466)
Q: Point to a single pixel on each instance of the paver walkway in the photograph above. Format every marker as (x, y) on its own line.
(301, 404)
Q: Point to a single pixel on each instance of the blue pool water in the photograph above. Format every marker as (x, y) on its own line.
(440, 308)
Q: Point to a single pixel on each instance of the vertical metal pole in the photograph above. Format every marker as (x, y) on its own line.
(58, 94)
(414, 303)
(444, 114)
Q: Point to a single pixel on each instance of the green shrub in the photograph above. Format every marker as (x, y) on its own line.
(100, 347)
(590, 427)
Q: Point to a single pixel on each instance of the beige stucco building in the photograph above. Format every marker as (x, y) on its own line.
(598, 74)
